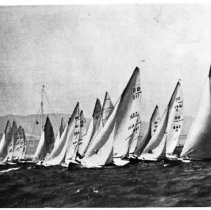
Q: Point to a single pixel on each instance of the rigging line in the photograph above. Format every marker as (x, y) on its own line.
(34, 121)
(57, 121)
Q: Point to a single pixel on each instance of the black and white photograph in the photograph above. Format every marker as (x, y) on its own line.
(105, 104)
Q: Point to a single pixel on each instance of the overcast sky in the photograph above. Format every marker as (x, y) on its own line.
(79, 52)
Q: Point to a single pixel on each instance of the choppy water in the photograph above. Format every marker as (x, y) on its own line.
(143, 184)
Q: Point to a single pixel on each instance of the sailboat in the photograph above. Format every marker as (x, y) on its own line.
(5, 141)
(19, 149)
(171, 126)
(73, 139)
(46, 142)
(128, 114)
(118, 129)
(83, 131)
(59, 152)
(12, 143)
(92, 129)
(152, 127)
(47, 139)
(198, 144)
(107, 108)
(61, 129)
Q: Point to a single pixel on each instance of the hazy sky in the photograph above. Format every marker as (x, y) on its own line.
(79, 52)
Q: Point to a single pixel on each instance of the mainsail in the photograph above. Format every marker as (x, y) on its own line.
(107, 108)
(46, 142)
(100, 152)
(135, 139)
(93, 128)
(175, 120)
(170, 124)
(83, 131)
(198, 143)
(73, 138)
(157, 153)
(152, 127)
(11, 146)
(19, 145)
(127, 115)
(58, 153)
(6, 138)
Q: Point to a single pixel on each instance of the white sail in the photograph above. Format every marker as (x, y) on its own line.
(107, 108)
(72, 147)
(198, 144)
(135, 137)
(46, 143)
(175, 120)
(157, 153)
(101, 150)
(39, 153)
(19, 144)
(83, 131)
(127, 114)
(157, 137)
(93, 128)
(58, 153)
(6, 139)
(152, 127)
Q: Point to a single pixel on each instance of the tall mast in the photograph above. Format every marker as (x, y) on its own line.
(42, 109)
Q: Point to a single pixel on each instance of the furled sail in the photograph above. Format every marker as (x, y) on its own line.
(58, 153)
(127, 114)
(46, 142)
(72, 147)
(93, 128)
(107, 108)
(6, 138)
(152, 127)
(198, 143)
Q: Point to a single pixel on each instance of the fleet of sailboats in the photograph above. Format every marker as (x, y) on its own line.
(114, 134)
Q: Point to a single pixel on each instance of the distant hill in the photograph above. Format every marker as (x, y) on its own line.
(33, 129)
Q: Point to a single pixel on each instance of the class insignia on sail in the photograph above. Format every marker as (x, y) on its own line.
(198, 144)
(46, 142)
(170, 125)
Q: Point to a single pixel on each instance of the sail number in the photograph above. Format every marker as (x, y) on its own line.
(136, 92)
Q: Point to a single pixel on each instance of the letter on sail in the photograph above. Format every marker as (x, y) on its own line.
(127, 114)
(175, 121)
(198, 143)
